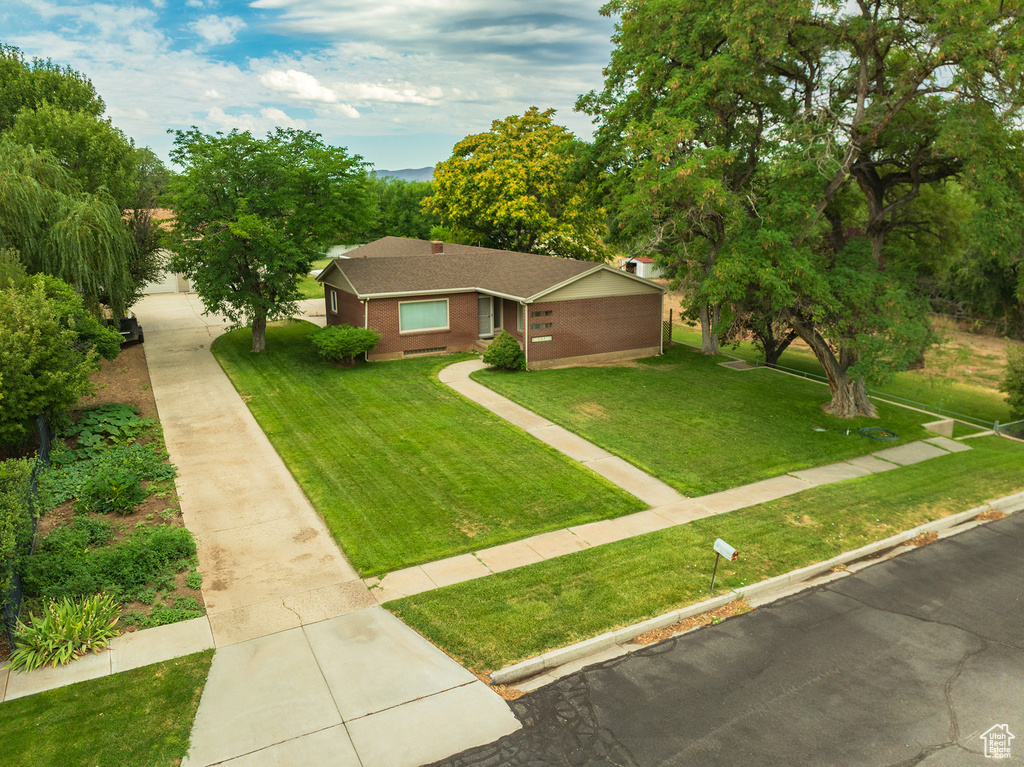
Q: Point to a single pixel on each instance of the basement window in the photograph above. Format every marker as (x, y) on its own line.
(434, 350)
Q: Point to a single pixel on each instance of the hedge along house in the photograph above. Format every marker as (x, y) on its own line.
(433, 298)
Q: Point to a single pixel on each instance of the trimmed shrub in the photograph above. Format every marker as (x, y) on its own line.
(66, 630)
(1013, 381)
(505, 353)
(343, 343)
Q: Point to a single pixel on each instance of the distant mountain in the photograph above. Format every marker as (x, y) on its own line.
(408, 174)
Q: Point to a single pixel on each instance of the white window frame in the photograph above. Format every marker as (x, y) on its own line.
(519, 318)
(447, 315)
(334, 301)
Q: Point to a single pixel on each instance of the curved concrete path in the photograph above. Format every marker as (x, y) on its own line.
(669, 507)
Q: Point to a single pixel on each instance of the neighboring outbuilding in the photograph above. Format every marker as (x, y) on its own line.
(642, 266)
(433, 298)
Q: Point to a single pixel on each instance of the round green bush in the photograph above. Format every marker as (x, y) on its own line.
(343, 343)
(505, 353)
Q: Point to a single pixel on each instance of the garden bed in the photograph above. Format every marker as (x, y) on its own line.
(114, 524)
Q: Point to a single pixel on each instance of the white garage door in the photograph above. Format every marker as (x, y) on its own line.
(168, 283)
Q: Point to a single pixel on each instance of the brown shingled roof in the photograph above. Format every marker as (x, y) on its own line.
(401, 265)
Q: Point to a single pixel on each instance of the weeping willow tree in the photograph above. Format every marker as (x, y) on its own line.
(58, 229)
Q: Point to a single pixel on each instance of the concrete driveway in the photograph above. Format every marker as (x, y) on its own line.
(908, 662)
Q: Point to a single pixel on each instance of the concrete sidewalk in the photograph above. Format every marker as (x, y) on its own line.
(304, 673)
(670, 508)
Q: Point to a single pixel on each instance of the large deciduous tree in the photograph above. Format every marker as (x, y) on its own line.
(797, 137)
(58, 229)
(253, 214)
(513, 188)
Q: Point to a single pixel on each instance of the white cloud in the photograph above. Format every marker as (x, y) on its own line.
(405, 94)
(298, 84)
(193, 3)
(267, 119)
(159, 3)
(218, 30)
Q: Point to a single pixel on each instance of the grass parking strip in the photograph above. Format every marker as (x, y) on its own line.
(696, 425)
(403, 469)
(500, 619)
(140, 717)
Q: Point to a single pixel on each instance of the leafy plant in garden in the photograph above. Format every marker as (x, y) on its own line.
(505, 353)
(102, 425)
(65, 630)
(113, 490)
(73, 561)
(183, 609)
(343, 343)
(72, 469)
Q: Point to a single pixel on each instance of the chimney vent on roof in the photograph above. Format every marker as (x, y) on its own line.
(436, 248)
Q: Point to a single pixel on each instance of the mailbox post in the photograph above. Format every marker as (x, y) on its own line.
(722, 549)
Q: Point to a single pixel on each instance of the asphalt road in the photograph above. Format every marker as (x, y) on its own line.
(907, 662)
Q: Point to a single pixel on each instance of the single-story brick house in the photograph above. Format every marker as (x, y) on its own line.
(432, 298)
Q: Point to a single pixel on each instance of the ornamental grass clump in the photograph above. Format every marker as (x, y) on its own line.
(343, 343)
(505, 353)
(67, 629)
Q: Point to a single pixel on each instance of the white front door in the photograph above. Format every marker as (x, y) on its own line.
(485, 315)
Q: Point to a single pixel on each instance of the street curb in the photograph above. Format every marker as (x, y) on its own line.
(780, 584)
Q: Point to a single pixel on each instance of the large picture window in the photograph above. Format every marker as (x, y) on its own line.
(423, 315)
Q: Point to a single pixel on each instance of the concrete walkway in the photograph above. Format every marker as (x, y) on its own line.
(669, 507)
(307, 669)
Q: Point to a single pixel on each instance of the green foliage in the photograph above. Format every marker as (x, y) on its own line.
(57, 229)
(153, 177)
(183, 609)
(95, 153)
(69, 306)
(194, 580)
(102, 425)
(74, 560)
(65, 630)
(42, 372)
(15, 518)
(504, 352)
(343, 343)
(399, 209)
(1013, 382)
(71, 470)
(253, 214)
(512, 188)
(29, 85)
(111, 490)
(789, 151)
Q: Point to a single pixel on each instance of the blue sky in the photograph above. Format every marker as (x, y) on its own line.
(397, 81)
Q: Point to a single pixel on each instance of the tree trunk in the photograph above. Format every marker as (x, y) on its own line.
(259, 331)
(709, 317)
(849, 396)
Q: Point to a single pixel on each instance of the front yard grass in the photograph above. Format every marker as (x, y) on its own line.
(403, 469)
(140, 717)
(980, 400)
(493, 621)
(696, 425)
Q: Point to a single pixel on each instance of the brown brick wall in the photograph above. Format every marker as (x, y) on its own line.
(595, 326)
(460, 336)
(508, 319)
(350, 308)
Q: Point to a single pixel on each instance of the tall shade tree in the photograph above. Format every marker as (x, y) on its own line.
(92, 150)
(786, 144)
(253, 214)
(513, 188)
(399, 209)
(59, 230)
(28, 85)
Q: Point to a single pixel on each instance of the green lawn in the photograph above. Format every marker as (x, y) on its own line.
(141, 717)
(939, 393)
(308, 286)
(490, 622)
(403, 469)
(696, 425)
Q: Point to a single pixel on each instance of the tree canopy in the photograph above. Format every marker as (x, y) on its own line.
(398, 209)
(513, 188)
(253, 214)
(787, 146)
